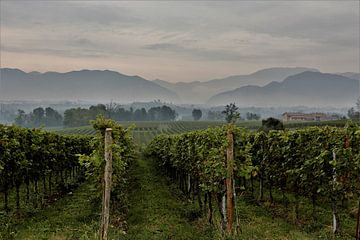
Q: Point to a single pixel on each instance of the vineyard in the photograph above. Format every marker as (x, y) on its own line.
(37, 168)
(144, 132)
(316, 165)
(30, 157)
(203, 180)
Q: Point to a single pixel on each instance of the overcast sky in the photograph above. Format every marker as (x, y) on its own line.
(180, 41)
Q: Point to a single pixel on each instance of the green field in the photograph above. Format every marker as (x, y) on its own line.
(143, 132)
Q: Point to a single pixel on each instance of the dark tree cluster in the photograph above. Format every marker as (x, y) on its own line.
(75, 117)
(81, 116)
(215, 116)
(252, 116)
(196, 114)
(272, 124)
(354, 113)
(39, 117)
(231, 113)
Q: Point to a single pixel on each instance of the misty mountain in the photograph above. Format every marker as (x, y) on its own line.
(307, 89)
(199, 92)
(87, 85)
(351, 75)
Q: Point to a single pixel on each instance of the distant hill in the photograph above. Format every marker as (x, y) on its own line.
(87, 85)
(306, 89)
(199, 92)
(350, 75)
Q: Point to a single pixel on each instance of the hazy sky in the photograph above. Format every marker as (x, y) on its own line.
(180, 41)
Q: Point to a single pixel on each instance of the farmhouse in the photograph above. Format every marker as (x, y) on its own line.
(298, 116)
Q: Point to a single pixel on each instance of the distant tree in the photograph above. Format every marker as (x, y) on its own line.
(110, 109)
(231, 113)
(215, 115)
(75, 117)
(143, 114)
(38, 117)
(140, 115)
(167, 113)
(20, 119)
(353, 115)
(272, 124)
(252, 116)
(52, 117)
(154, 114)
(197, 114)
(99, 109)
(163, 113)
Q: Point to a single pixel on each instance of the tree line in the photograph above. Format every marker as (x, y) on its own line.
(81, 116)
(75, 117)
(39, 117)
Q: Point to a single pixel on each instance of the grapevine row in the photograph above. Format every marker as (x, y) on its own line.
(30, 156)
(315, 163)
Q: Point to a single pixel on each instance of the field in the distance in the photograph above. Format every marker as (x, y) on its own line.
(143, 132)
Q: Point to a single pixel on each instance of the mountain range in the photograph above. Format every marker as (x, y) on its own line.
(200, 92)
(267, 87)
(306, 88)
(86, 85)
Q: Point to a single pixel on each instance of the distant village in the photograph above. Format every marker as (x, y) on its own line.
(298, 116)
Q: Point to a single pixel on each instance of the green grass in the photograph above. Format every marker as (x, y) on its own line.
(157, 211)
(257, 223)
(75, 216)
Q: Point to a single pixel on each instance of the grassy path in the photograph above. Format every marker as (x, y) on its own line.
(156, 213)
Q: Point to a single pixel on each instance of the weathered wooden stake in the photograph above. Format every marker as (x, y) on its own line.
(334, 208)
(105, 213)
(358, 224)
(229, 181)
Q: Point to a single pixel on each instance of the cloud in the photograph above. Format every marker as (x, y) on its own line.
(235, 37)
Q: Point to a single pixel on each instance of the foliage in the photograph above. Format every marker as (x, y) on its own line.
(311, 163)
(252, 116)
(231, 113)
(353, 114)
(31, 155)
(215, 116)
(197, 114)
(272, 124)
(122, 153)
(81, 116)
(39, 117)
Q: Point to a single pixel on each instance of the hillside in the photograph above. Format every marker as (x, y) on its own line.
(307, 88)
(87, 85)
(199, 92)
(352, 75)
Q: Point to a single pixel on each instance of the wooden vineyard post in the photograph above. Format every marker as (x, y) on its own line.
(229, 181)
(105, 213)
(358, 224)
(334, 208)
